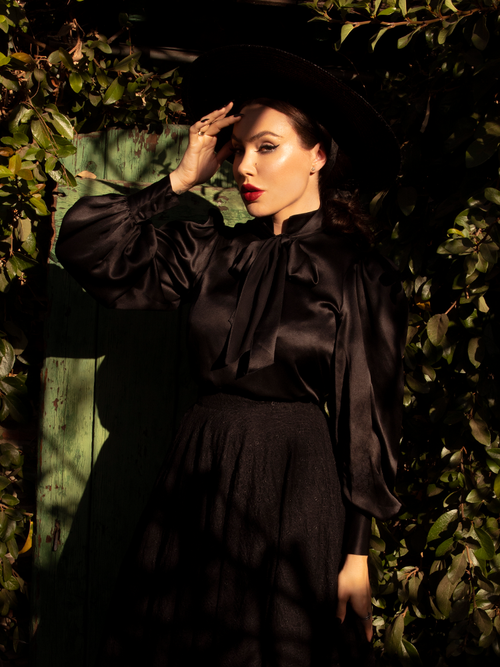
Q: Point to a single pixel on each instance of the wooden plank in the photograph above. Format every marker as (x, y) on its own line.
(115, 386)
(65, 455)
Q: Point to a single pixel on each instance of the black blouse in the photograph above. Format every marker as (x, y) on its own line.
(301, 316)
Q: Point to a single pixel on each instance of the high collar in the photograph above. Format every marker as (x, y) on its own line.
(301, 224)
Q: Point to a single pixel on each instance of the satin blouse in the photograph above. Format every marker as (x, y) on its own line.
(300, 316)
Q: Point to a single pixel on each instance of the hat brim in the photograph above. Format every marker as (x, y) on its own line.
(245, 72)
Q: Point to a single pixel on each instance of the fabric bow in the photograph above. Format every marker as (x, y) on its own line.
(263, 266)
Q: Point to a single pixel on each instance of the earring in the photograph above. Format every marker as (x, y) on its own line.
(313, 169)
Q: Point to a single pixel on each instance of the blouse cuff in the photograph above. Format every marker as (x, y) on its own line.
(150, 201)
(357, 532)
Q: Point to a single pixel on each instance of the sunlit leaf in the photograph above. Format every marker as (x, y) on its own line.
(345, 30)
(441, 524)
(492, 195)
(114, 93)
(41, 133)
(437, 327)
(62, 124)
(375, 39)
(480, 431)
(127, 64)
(22, 60)
(39, 205)
(76, 81)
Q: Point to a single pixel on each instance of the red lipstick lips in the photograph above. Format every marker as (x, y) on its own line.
(250, 193)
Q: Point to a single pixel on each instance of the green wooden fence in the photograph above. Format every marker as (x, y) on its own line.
(114, 386)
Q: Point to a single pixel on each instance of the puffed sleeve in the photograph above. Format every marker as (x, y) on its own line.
(368, 400)
(109, 246)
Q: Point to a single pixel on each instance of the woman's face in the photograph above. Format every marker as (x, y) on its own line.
(273, 171)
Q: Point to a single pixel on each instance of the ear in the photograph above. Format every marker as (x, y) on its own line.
(319, 157)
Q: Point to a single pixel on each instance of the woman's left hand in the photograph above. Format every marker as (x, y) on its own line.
(354, 587)
(199, 163)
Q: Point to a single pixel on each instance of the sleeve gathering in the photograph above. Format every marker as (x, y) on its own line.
(367, 403)
(109, 246)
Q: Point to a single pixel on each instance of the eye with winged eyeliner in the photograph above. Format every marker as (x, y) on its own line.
(259, 135)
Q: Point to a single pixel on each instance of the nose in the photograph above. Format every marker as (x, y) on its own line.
(244, 163)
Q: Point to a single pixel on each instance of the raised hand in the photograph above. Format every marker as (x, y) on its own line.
(200, 162)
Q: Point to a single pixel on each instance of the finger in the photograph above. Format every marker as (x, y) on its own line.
(368, 627)
(341, 609)
(212, 116)
(214, 128)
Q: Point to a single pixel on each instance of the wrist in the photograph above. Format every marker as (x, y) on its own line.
(178, 186)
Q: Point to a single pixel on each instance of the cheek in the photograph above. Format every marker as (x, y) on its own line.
(236, 163)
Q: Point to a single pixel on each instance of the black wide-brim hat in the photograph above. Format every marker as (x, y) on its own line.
(241, 73)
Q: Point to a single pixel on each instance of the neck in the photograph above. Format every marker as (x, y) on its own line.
(280, 219)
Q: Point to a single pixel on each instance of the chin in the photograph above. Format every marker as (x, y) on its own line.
(256, 210)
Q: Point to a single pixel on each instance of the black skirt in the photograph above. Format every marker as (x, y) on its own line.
(235, 561)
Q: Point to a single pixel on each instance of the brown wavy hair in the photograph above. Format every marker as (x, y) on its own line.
(338, 192)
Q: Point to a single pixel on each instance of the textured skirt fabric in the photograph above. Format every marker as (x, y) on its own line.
(236, 559)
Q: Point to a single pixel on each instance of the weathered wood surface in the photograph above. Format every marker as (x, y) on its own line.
(114, 386)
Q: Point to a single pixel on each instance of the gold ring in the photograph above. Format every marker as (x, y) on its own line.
(200, 133)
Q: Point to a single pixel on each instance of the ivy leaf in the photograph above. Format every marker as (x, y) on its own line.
(380, 33)
(22, 61)
(406, 39)
(7, 357)
(10, 500)
(480, 150)
(407, 198)
(127, 63)
(441, 524)
(455, 247)
(437, 327)
(482, 621)
(473, 352)
(457, 568)
(444, 547)
(492, 195)
(40, 133)
(480, 431)
(18, 408)
(346, 29)
(480, 34)
(76, 81)
(394, 636)
(444, 592)
(496, 486)
(62, 124)
(4, 482)
(487, 550)
(102, 46)
(39, 205)
(114, 93)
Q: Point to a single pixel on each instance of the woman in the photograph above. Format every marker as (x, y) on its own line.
(256, 537)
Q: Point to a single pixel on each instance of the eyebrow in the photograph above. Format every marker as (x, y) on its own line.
(257, 136)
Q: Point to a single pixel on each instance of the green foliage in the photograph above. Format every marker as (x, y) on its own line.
(436, 567)
(79, 86)
(48, 92)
